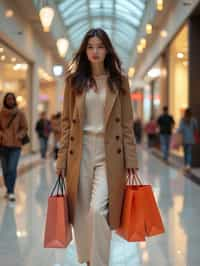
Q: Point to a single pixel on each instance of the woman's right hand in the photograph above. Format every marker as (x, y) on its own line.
(60, 172)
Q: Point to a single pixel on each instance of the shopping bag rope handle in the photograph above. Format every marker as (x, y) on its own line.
(60, 185)
(134, 180)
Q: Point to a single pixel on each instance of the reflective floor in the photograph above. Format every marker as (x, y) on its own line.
(22, 223)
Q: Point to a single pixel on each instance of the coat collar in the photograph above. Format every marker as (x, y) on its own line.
(111, 97)
(109, 103)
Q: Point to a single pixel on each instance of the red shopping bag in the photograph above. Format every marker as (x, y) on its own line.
(132, 226)
(197, 136)
(58, 232)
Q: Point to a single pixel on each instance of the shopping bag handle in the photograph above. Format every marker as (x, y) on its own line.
(134, 180)
(60, 186)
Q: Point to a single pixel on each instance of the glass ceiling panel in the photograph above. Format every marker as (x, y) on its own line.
(120, 18)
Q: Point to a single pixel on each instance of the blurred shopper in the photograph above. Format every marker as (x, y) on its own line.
(97, 147)
(56, 130)
(13, 127)
(166, 124)
(188, 126)
(137, 127)
(151, 131)
(43, 129)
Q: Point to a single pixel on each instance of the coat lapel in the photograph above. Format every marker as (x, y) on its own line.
(80, 103)
(110, 100)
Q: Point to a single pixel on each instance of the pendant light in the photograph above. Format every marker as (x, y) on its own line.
(46, 16)
(62, 46)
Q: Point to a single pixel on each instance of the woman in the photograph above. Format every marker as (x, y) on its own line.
(187, 128)
(97, 145)
(13, 127)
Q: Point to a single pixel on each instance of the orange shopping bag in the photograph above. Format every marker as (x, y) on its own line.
(143, 217)
(58, 232)
(132, 226)
(153, 222)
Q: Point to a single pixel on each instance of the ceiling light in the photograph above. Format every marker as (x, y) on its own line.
(180, 55)
(17, 67)
(163, 33)
(24, 66)
(13, 59)
(160, 5)
(139, 49)
(185, 63)
(154, 73)
(19, 99)
(57, 70)
(1, 50)
(62, 46)
(131, 72)
(143, 42)
(46, 16)
(149, 28)
(9, 13)
(3, 57)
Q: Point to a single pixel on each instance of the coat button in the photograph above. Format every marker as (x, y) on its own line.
(74, 121)
(117, 137)
(72, 138)
(71, 152)
(117, 119)
(119, 151)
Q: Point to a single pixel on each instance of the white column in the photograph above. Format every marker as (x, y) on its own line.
(60, 83)
(34, 105)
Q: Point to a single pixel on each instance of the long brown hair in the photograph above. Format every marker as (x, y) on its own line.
(79, 72)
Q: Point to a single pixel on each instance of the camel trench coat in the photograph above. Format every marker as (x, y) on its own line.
(119, 140)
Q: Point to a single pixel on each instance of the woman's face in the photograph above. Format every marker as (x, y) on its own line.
(10, 101)
(96, 51)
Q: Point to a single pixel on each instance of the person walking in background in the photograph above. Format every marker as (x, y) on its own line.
(151, 131)
(97, 149)
(188, 126)
(43, 129)
(13, 127)
(166, 124)
(56, 130)
(137, 127)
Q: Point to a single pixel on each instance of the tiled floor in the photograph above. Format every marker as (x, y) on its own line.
(22, 223)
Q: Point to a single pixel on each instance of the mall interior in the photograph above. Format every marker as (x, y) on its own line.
(158, 42)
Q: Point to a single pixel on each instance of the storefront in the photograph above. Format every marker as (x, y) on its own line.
(179, 75)
(153, 90)
(15, 77)
(47, 93)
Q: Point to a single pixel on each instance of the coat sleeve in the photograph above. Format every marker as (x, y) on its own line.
(127, 127)
(65, 130)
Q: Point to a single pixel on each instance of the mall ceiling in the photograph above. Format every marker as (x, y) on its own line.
(120, 18)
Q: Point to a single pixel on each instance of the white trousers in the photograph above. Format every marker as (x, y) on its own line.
(92, 233)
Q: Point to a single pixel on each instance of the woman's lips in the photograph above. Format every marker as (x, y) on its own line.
(95, 57)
